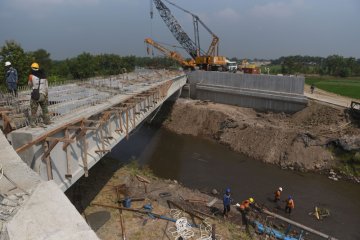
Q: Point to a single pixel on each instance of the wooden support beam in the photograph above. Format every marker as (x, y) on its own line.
(49, 148)
(73, 127)
(120, 123)
(64, 139)
(102, 139)
(91, 121)
(48, 161)
(118, 108)
(68, 163)
(50, 133)
(102, 150)
(78, 134)
(127, 123)
(134, 118)
(85, 153)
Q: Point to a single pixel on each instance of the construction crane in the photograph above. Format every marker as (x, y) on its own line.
(208, 60)
(172, 54)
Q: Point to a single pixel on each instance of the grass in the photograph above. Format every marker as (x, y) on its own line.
(135, 169)
(348, 161)
(349, 87)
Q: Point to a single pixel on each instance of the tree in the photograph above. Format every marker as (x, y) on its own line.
(13, 52)
(42, 57)
(82, 66)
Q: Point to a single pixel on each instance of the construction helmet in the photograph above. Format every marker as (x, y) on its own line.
(280, 189)
(251, 200)
(7, 64)
(290, 197)
(35, 66)
(227, 190)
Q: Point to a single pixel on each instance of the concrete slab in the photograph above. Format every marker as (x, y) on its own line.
(48, 214)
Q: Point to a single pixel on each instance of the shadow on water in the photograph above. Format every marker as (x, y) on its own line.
(205, 165)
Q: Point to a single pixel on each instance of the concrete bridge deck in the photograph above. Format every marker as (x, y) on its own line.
(90, 124)
(90, 118)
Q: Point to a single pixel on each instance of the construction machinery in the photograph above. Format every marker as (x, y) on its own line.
(355, 109)
(209, 60)
(249, 68)
(172, 54)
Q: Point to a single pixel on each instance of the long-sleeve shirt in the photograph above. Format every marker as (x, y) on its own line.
(11, 76)
(226, 200)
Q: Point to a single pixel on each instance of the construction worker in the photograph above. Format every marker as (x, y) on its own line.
(278, 194)
(289, 205)
(226, 202)
(312, 88)
(245, 208)
(39, 95)
(11, 77)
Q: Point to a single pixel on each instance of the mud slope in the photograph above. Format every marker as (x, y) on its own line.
(296, 141)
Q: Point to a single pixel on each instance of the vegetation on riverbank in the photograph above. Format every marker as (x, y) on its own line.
(349, 163)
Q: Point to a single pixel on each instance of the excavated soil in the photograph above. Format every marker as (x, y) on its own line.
(298, 141)
(106, 221)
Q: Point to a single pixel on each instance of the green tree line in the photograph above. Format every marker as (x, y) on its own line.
(83, 66)
(334, 65)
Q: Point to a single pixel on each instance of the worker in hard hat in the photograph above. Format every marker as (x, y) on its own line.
(290, 205)
(39, 95)
(277, 194)
(11, 77)
(244, 208)
(226, 202)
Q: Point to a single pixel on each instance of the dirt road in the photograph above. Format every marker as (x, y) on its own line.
(327, 97)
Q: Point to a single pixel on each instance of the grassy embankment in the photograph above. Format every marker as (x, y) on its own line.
(349, 87)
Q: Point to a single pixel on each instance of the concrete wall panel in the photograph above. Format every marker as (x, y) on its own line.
(262, 92)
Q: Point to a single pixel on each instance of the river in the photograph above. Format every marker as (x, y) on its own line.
(203, 164)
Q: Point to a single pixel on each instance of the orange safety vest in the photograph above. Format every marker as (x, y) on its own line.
(290, 203)
(245, 205)
(277, 194)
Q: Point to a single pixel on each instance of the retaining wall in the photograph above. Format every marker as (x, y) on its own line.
(261, 92)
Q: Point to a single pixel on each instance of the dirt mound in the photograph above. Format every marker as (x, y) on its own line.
(292, 141)
(316, 114)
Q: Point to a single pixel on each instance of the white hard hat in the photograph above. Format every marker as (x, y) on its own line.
(280, 189)
(7, 64)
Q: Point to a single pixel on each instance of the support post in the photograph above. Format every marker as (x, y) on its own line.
(47, 160)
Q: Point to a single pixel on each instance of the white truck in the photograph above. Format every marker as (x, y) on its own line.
(231, 66)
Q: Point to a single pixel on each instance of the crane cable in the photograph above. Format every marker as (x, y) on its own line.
(151, 48)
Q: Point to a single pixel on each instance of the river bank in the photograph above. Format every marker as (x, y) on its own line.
(202, 164)
(110, 223)
(308, 140)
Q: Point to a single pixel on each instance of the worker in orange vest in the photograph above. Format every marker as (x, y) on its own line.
(278, 194)
(290, 205)
(245, 208)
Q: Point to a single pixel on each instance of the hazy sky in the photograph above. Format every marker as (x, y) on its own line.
(246, 28)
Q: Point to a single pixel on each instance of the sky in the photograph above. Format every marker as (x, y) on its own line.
(265, 29)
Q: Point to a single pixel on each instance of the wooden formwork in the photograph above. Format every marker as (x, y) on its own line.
(77, 130)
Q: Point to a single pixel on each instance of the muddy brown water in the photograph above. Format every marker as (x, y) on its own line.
(203, 164)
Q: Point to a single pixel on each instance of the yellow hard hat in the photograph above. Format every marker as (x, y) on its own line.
(35, 66)
(251, 200)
